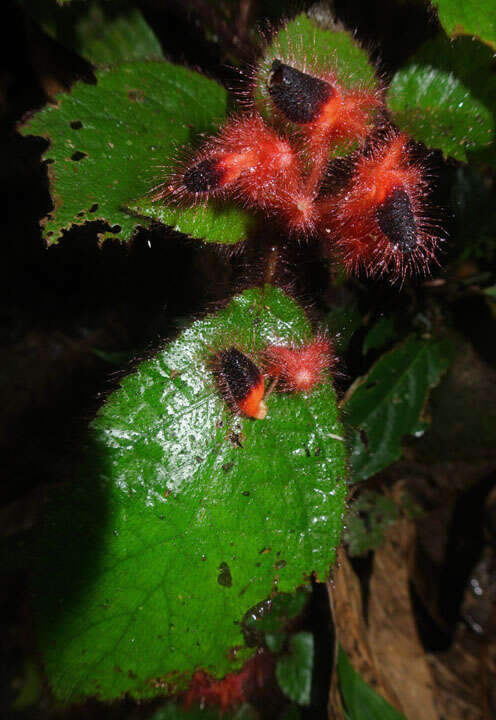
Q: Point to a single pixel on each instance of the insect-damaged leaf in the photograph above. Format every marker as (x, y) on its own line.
(185, 517)
(112, 142)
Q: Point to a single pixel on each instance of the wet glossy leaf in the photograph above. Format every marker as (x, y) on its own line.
(185, 517)
(110, 142)
(294, 670)
(360, 700)
(316, 44)
(388, 403)
(102, 32)
(469, 17)
(446, 98)
(367, 520)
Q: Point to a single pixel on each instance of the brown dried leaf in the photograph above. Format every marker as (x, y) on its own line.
(393, 637)
(351, 629)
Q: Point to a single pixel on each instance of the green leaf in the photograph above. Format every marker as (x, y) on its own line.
(389, 401)
(380, 334)
(367, 520)
(109, 141)
(222, 224)
(175, 497)
(360, 700)
(267, 621)
(294, 670)
(468, 17)
(272, 615)
(314, 45)
(104, 33)
(446, 98)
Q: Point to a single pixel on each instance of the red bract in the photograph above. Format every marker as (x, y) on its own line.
(300, 367)
(320, 104)
(378, 221)
(233, 689)
(206, 691)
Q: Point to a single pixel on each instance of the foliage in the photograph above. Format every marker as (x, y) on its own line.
(190, 535)
(389, 402)
(109, 141)
(103, 33)
(152, 559)
(468, 17)
(294, 670)
(360, 700)
(446, 98)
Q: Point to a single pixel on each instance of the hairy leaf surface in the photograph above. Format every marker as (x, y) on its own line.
(446, 98)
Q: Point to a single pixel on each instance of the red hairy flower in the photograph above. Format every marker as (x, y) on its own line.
(251, 162)
(378, 222)
(300, 367)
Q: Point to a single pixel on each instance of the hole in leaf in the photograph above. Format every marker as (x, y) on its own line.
(136, 95)
(76, 124)
(94, 208)
(49, 161)
(224, 578)
(117, 229)
(78, 155)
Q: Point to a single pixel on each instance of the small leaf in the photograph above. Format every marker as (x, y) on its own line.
(294, 670)
(310, 44)
(389, 401)
(221, 224)
(360, 700)
(468, 17)
(270, 617)
(102, 32)
(367, 520)
(110, 141)
(446, 98)
(175, 495)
